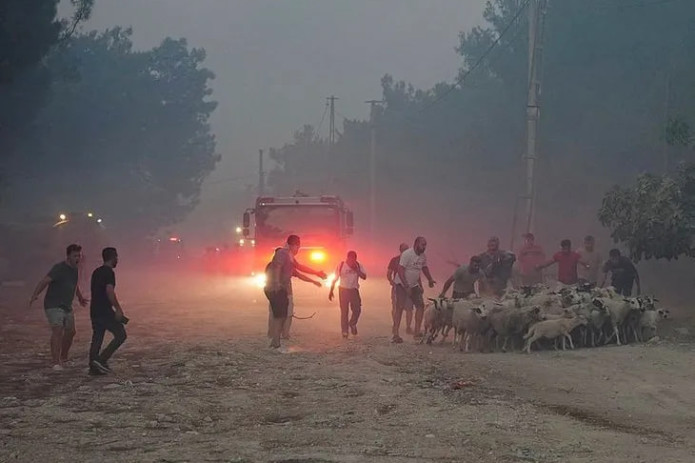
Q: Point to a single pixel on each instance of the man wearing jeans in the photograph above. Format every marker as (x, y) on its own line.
(106, 314)
(62, 287)
(349, 272)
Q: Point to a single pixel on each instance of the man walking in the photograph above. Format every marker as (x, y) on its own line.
(623, 273)
(394, 281)
(349, 273)
(278, 288)
(464, 280)
(413, 262)
(106, 314)
(591, 256)
(497, 265)
(567, 261)
(62, 288)
(531, 256)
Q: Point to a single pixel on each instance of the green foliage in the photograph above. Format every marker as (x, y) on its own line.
(127, 135)
(678, 133)
(655, 218)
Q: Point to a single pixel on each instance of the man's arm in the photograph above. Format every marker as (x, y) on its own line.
(303, 268)
(390, 273)
(335, 280)
(83, 301)
(545, 265)
(303, 277)
(401, 275)
(426, 271)
(360, 272)
(447, 285)
(39, 288)
(111, 294)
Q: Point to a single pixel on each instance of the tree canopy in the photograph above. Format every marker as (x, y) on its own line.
(612, 75)
(125, 133)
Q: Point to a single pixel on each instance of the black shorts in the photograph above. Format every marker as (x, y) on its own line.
(461, 295)
(279, 302)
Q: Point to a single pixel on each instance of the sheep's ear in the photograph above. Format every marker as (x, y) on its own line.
(626, 299)
(655, 299)
(432, 300)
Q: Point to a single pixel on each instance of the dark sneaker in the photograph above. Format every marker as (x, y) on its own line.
(95, 372)
(97, 365)
(397, 340)
(408, 330)
(353, 330)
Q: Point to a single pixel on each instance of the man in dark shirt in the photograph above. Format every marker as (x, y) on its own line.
(62, 287)
(623, 273)
(497, 265)
(106, 314)
(394, 281)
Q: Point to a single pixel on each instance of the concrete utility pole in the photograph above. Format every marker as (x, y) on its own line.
(331, 130)
(261, 174)
(372, 167)
(536, 20)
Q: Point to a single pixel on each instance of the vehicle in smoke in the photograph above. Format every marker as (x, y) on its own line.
(324, 224)
(31, 246)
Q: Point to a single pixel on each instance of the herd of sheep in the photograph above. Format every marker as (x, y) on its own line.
(579, 316)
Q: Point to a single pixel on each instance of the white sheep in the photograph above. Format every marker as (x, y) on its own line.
(552, 329)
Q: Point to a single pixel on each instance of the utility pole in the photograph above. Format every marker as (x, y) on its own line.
(372, 168)
(331, 130)
(536, 22)
(261, 174)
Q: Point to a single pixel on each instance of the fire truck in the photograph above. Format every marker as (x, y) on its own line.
(323, 223)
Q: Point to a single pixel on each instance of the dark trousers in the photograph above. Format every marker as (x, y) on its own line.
(624, 288)
(349, 300)
(99, 327)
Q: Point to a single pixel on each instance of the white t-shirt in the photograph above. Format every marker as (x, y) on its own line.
(349, 279)
(413, 264)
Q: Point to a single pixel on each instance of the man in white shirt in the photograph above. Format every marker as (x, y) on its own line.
(349, 273)
(413, 262)
(591, 256)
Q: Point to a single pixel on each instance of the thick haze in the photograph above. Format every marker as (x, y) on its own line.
(275, 62)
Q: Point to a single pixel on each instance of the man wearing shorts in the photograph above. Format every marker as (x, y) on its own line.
(62, 286)
(278, 288)
(412, 263)
(394, 281)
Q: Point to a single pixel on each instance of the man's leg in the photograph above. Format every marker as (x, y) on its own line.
(56, 320)
(119, 336)
(68, 336)
(287, 324)
(344, 303)
(270, 321)
(276, 331)
(98, 331)
(398, 312)
(419, 304)
(356, 306)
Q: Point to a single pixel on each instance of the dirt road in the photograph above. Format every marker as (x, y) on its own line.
(196, 382)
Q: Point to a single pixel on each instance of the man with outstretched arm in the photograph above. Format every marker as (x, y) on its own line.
(62, 286)
(278, 288)
(412, 263)
(106, 314)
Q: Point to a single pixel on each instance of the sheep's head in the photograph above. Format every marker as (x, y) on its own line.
(438, 303)
(599, 304)
(635, 303)
(663, 313)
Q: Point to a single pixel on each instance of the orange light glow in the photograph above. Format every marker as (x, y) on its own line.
(318, 256)
(173, 239)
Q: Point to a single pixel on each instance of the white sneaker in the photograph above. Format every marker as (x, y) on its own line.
(57, 367)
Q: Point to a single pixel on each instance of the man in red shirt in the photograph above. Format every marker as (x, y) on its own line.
(567, 261)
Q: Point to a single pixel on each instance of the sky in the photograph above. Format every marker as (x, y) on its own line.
(277, 60)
